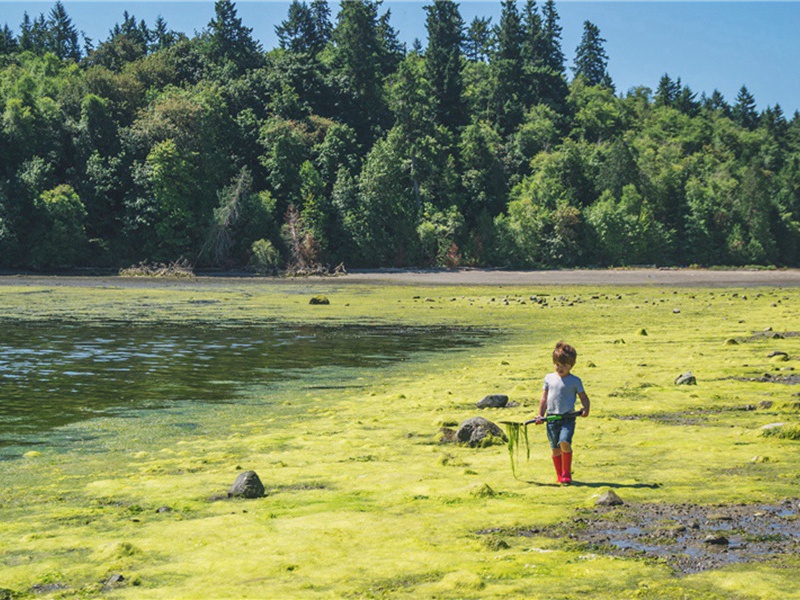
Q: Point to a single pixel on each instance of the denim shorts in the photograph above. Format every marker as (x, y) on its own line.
(560, 431)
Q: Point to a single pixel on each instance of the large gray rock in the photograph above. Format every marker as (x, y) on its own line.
(493, 401)
(247, 485)
(477, 430)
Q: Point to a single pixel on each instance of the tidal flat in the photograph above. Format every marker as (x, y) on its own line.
(364, 498)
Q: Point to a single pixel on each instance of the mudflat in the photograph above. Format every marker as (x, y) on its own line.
(449, 277)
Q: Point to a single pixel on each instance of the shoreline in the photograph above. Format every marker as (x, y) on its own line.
(442, 277)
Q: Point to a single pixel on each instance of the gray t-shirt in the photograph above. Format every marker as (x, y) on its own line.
(561, 392)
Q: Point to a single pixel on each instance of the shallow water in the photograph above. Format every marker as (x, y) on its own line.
(55, 374)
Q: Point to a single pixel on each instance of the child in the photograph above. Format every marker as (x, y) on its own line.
(558, 398)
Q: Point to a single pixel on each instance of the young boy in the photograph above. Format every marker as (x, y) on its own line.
(560, 391)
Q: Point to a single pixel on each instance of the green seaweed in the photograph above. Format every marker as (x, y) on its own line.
(513, 430)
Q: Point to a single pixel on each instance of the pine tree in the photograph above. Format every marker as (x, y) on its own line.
(8, 43)
(358, 50)
(443, 61)
(297, 31)
(230, 40)
(744, 111)
(477, 44)
(534, 43)
(591, 60)
(506, 64)
(554, 56)
(321, 16)
(61, 36)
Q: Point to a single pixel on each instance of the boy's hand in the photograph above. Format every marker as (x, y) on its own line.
(585, 412)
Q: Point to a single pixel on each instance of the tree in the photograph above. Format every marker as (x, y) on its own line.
(478, 41)
(554, 56)
(8, 43)
(591, 59)
(357, 69)
(744, 111)
(506, 66)
(443, 61)
(296, 33)
(230, 41)
(59, 237)
(62, 37)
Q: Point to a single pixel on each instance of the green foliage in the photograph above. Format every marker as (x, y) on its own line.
(265, 258)
(476, 151)
(61, 238)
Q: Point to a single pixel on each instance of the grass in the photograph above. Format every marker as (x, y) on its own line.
(362, 502)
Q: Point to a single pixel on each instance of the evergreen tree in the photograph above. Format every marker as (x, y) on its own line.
(62, 37)
(321, 16)
(506, 64)
(477, 43)
(230, 40)
(33, 35)
(554, 56)
(443, 61)
(8, 43)
(296, 33)
(161, 37)
(667, 91)
(744, 111)
(534, 47)
(591, 60)
(356, 69)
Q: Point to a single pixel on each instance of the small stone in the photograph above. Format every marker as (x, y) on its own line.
(716, 539)
(686, 379)
(163, 509)
(115, 580)
(610, 498)
(247, 485)
(765, 404)
(493, 401)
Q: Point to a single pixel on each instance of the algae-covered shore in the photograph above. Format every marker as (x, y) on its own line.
(363, 497)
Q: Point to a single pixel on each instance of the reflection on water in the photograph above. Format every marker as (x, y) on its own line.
(55, 374)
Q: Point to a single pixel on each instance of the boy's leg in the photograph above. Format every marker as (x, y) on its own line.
(553, 434)
(565, 444)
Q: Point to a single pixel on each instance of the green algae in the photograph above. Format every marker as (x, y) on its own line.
(403, 523)
(517, 432)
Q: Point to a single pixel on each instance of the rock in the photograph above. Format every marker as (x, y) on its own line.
(493, 401)
(610, 498)
(777, 353)
(477, 430)
(686, 379)
(446, 436)
(115, 580)
(642, 331)
(319, 300)
(765, 404)
(164, 509)
(772, 426)
(247, 485)
(716, 539)
(731, 342)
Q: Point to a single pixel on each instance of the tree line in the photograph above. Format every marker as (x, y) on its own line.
(342, 145)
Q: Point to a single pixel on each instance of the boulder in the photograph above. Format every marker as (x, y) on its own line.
(610, 498)
(686, 379)
(716, 539)
(247, 485)
(319, 300)
(477, 430)
(493, 401)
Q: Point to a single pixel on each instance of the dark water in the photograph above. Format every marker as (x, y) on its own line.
(55, 374)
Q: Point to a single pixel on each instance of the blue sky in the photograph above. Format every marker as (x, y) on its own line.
(709, 45)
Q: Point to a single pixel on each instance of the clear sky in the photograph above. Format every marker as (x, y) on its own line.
(709, 45)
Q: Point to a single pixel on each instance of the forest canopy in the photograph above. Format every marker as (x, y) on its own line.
(342, 145)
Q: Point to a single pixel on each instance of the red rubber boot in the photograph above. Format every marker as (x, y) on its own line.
(566, 467)
(559, 467)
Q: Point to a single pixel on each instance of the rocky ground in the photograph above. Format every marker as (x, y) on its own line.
(690, 538)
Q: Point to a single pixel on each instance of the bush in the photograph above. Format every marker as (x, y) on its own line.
(265, 258)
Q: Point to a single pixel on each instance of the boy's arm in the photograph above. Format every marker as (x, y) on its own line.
(543, 404)
(584, 403)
